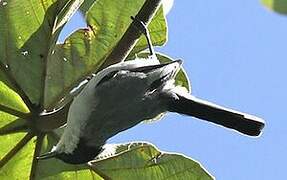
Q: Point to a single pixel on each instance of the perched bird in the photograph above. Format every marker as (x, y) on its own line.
(123, 95)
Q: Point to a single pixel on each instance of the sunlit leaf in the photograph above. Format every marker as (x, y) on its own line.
(144, 161)
(6, 118)
(128, 161)
(6, 143)
(20, 164)
(279, 6)
(28, 31)
(18, 125)
(11, 99)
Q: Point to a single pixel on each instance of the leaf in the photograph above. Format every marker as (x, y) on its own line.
(9, 123)
(20, 164)
(28, 30)
(19, 125)
(8, 142)
(135, 160)
(279, 6)
(11, 99)
(85, 50)
(139, 160)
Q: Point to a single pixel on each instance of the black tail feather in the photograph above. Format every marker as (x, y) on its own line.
(244, 123)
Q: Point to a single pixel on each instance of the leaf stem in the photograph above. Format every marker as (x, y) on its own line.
(37, 152)
(131, 36)
(16, 149)
(14, 127)
(14, 112)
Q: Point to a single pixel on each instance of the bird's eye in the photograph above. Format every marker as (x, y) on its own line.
(108, 77)
(157, 83)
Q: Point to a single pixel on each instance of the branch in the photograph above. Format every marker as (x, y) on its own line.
(131, 36)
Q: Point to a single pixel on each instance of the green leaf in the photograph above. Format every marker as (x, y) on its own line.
(11, 106)
(86, 49)
(8, 142)
(18, 125)
(20, 164)
(135, 160)
(9, 123)
(139, 160)
(11, 99)
(29, 29)
(279, 6)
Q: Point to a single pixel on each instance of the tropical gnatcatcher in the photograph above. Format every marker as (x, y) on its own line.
(123, 95)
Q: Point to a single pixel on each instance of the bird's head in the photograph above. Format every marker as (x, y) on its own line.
(156, 75)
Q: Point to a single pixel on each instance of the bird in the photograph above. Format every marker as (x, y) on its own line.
(127, 93)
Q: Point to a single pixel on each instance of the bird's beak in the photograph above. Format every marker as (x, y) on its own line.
(146, 69)
(158, 75)
(173, 67)
(167, 70)
(48, 155)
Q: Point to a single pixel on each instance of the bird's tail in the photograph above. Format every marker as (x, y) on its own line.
(190, 105)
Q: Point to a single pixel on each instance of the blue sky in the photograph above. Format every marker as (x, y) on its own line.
(235, 55)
